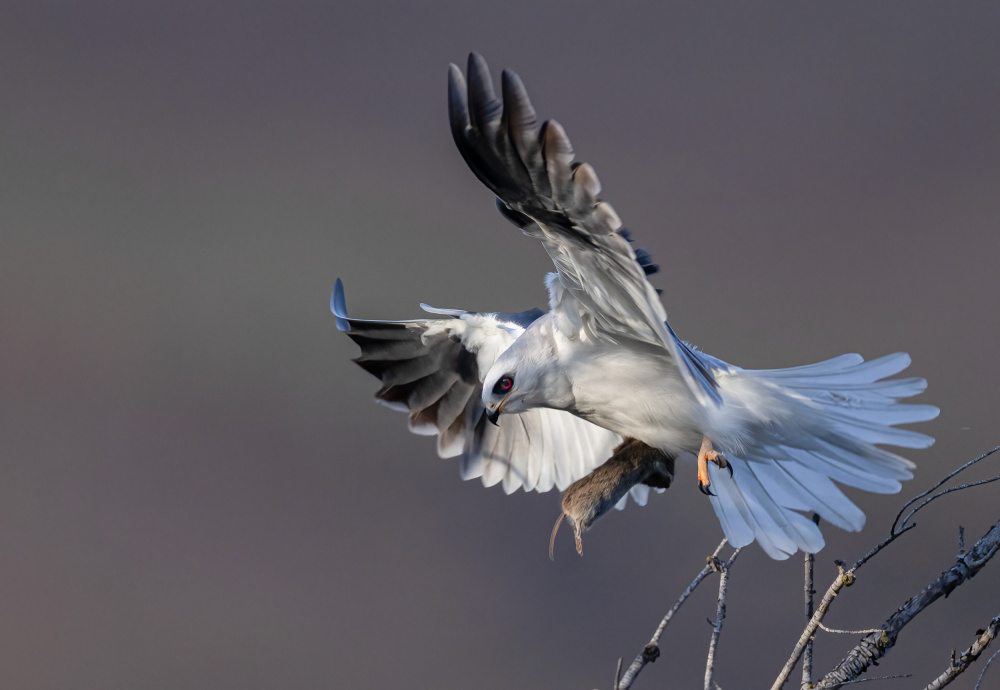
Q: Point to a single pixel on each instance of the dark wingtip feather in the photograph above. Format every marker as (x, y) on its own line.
(646, 261)
(515, 217)
(484, 106)
(641, 255)
(338, 305)
(475, 60)
(517, 105)
(458, 105)
(374, 367)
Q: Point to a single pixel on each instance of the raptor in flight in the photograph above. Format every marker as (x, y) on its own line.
(539, 400)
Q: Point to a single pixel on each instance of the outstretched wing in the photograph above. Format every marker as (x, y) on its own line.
(432, 369)
(531, 170)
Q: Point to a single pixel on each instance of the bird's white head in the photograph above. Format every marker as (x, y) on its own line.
(525, 376)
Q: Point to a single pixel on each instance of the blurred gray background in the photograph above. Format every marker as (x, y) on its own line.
(196, 490)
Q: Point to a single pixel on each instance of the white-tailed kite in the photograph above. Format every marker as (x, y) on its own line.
(603, 371)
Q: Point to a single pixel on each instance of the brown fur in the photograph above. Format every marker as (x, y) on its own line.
(631, 463)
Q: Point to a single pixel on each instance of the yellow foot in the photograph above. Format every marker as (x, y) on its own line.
(705, 455)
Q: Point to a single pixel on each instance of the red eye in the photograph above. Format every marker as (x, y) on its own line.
(503, 384)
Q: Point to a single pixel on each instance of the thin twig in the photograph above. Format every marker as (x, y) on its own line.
(963, 662)
(983, 672)
(949, 490)
(936, 487)
(874, 646)
(651, 651)
(848, 632)
(865, 680)
(899, 528)
(720, 618)
(881, 545)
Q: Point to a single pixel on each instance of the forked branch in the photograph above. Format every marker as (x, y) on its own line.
(877, 643)
(874, 646)
(968, 656)
(651, 651)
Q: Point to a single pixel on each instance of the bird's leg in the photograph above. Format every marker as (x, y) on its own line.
(707, 454)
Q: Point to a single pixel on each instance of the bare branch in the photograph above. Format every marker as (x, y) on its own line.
(651, 651)
(720, 617)
(938, 485)
(877, 642)
(899, 528)
(848, 632)
(807, 654)
(958, 665)
(874, 646)
(881, 545)
(939, 494)
(868, 680)
(844, 579)
(983, 672)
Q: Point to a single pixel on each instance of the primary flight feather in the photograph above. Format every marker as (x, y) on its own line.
(603, 367)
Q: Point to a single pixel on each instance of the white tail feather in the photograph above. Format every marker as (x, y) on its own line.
(841, 409)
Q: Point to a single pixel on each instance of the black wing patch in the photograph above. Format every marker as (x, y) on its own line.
(531, 169)
(428, 374)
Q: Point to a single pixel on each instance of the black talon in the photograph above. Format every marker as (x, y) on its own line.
(704, 489)
(729, 466)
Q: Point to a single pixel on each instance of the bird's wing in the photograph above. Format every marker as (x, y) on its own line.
(433, 368)
(531, 169)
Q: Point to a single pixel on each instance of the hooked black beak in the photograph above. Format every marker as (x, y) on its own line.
(494, 415)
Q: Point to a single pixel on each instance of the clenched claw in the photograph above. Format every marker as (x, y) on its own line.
(707, 454)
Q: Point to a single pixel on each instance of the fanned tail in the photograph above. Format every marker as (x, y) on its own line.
(834, 412)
